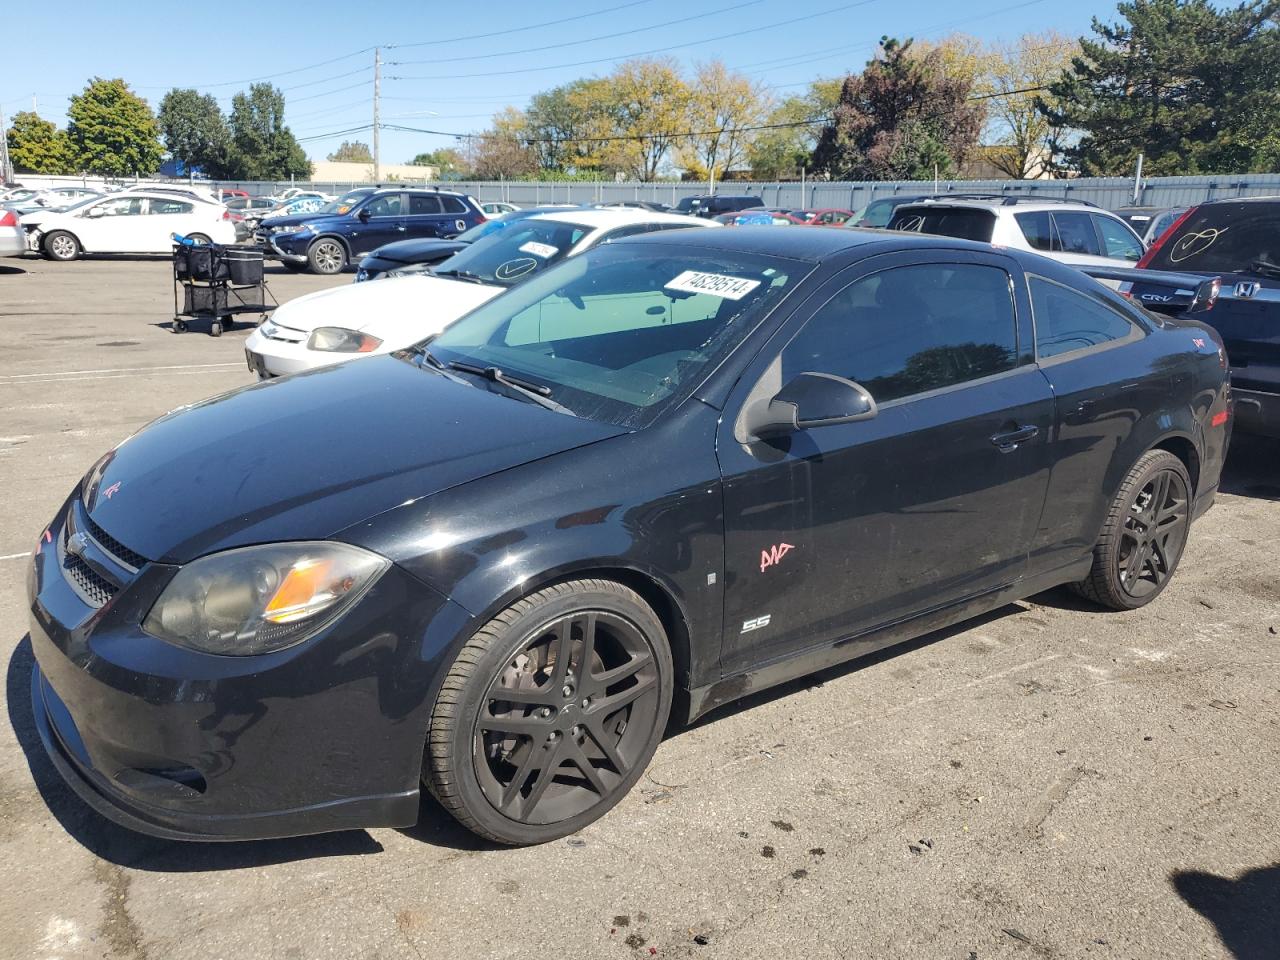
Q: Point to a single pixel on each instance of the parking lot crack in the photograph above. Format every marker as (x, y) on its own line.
(118, 927)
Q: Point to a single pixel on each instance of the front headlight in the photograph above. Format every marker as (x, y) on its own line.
(341, 340)
(256, 600)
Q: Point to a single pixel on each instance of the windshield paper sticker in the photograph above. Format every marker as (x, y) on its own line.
(715, 284)
(546, 251)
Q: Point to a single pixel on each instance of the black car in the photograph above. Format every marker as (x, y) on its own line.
(665, 473)
(412, 255)
(360, 221)
(1239, 241)
(715, 204)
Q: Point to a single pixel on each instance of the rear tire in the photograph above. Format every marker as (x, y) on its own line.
(199, 238)
(1144, 534)
(327, 256)
(61, 245)
(550, 712)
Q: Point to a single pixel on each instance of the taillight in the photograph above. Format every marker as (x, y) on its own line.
(226, 214)
(1159, 241)
(9, 219)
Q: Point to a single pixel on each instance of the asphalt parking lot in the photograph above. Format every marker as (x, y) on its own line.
(1049, 781)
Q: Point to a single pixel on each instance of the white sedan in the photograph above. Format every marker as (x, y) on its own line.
(363, 319)
(133, 222)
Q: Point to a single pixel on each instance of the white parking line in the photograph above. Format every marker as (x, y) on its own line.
(15, 556)
(157, 372)
(74, 374)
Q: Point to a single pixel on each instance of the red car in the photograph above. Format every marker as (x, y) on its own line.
(828, 217)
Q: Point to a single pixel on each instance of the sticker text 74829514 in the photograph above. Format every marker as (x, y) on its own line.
(716, 284)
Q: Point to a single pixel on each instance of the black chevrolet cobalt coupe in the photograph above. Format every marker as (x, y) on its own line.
(661, 475)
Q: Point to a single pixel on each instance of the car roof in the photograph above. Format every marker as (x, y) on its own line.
(615, 217)
(1274, 198)
(159, 195)
(1022, 206)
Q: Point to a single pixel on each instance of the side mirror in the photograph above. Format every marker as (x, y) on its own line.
(95, 212)
(811, 400)
(363, 215)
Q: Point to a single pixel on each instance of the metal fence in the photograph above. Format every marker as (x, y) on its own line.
(1110, 192)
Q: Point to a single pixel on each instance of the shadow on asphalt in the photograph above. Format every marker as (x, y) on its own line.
(1253, 467)
(134, 850)
(1245, 911)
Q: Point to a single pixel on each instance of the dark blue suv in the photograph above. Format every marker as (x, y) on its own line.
(361, 220)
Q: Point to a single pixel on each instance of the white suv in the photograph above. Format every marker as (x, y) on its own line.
(1073, 232)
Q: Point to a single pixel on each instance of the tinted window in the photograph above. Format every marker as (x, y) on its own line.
(510, 255)
(387, 205)
(620, 333)
(453, 205)
(420, 204)
(911, 329)
(878, 213)
(1235, 237)
(1117, 241)
(162, 207)
(1037, 228)
(1075, 234)
(121, 207)
(1068, 320)
(956, 222)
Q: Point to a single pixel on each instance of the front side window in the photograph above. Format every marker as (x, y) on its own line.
(622, 332)
(1068, 320)
(1118, 242)
(911, 329)
(1075, 234)
(121, 207)
(387, 205)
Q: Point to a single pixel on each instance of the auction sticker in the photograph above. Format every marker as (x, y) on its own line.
(544, 250)
(716, 284)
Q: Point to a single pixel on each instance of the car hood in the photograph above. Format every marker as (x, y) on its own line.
(412, 251)
(401, 310)
(298, 219)
(304, 457)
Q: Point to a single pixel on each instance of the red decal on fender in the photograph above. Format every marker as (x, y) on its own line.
(114, 488)
(774, 555)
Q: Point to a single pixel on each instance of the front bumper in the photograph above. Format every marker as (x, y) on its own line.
(1257, 412)
(272, 249)
(327, 735)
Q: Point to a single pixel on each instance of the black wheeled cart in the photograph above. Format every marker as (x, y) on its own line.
(216, 283)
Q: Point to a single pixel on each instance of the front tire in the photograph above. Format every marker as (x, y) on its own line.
(1144, 534)
(61, 245)
(327, 256)
(550, 712)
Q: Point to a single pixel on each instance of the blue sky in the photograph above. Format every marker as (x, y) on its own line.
(441, 73)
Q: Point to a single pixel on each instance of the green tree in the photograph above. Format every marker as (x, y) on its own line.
(902, 118)
(562, 122)
(112, 130)
(352, 151)
(780, 152)
(1192, 87)
(37, 146)
(649, 103)
(194, 130)
(262, 147)
(446, 158)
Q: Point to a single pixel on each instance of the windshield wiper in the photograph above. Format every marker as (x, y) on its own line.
(1265, 268)
(462, 275)
(539, 393)
(436, 363)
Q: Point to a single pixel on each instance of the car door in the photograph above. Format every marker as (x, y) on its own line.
(385, 222)
(834, 531)
(169, 215)
(1104, 374)
(114, 226)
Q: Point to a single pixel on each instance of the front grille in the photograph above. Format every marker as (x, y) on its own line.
(113, 546)
(95, 589)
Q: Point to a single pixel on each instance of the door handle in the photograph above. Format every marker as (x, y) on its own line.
(1008, 442)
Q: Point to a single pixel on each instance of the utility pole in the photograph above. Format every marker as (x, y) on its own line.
(377, 118)
(6, 169)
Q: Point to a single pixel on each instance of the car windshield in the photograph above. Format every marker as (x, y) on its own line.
(346, 201)
(959, 222)
(625, 331)
(1233, 237)
(877, 213)
(483, 230)
(510, 255)
(688, 203)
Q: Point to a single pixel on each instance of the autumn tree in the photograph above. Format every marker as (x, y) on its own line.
(38, 146)
(1021, 134)
(566, 125)
(902, 118)
(650, 106)
(1193, 88)
(194, 130)
(111, 130)
(352, 151)
(722, 108)
(502, 150)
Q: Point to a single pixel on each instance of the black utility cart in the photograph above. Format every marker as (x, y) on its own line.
(215, 283)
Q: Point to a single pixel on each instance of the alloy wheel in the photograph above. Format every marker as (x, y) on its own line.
(1154, 534)
(564, 722)
(63, 247)
(329, 257)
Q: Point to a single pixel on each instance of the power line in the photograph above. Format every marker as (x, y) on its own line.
(642, 53)
(576, 43)
(532, 26)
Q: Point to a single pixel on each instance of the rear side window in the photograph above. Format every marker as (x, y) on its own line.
(1037, 228)
(420, 205)
(964, 224)
(1118, 242)
(911, 329)
(1068, 320)
(453, 205)
(162, 207)
(1075, 234)
(1235, 237)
